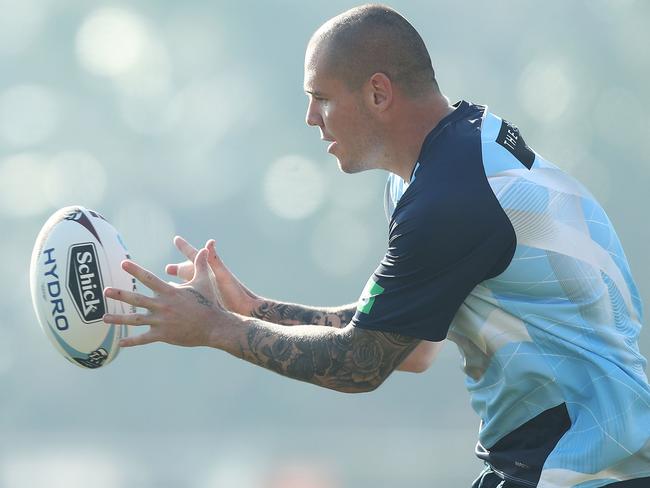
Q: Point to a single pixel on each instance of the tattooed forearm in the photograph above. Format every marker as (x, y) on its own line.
(292, 314)
(350, 359)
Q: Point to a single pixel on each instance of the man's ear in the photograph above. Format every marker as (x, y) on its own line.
(380, 92)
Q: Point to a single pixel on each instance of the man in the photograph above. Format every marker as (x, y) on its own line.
(490, 246)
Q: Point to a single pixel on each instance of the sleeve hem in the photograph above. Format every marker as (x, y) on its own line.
(417, 334)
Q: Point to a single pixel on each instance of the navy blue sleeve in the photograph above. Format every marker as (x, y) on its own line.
(447, 234)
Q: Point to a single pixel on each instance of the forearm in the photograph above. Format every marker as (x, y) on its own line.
(294, 314)
(347, 360)
(337, 317)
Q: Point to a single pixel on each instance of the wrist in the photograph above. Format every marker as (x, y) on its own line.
(221, 330)
(254, 305)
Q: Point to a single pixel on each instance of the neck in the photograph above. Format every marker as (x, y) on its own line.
(415, 121)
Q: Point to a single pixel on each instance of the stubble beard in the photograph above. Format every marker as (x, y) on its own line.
(371, 159)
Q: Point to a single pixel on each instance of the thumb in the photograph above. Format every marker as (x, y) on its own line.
(204, 278)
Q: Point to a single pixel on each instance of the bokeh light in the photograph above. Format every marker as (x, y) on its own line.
(150, 77)
(238, 468)
(293, 187)
(119, 44)
(23, 181)
(29, 114)
(75, 178)
(60, 467)
(204, 111)
(301, 475)
(111, 41)
(545, 90)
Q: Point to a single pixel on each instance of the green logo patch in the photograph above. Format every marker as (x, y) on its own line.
(368, 295)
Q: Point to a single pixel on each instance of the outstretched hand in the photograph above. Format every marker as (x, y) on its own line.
(235, 296)
(183, 314)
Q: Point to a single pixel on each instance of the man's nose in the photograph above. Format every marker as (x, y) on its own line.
(313, 116)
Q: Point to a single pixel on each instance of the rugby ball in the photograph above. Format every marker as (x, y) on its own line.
(76, 255)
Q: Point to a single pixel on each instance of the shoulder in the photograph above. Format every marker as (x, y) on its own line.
(450, 209)
(504, 147)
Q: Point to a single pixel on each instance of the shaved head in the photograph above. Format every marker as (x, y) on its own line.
(374, 39)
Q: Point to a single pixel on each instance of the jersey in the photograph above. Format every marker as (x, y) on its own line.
(498, 250)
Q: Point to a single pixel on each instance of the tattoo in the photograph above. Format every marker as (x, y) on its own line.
(350, 359)
(291, 314)
(200, 298)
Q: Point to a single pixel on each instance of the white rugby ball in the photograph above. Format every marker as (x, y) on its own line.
(76, 255)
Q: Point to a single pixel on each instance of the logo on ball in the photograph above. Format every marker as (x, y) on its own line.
(85, 282)
(77, 215)
(95, 359)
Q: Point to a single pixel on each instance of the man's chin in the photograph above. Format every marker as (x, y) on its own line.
(350, 168)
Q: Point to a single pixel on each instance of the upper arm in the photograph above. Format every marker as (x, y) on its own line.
(424, 278)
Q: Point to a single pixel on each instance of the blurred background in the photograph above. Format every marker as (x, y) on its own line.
(188, 118)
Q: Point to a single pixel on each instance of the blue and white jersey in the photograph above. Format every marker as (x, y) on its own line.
(498, 250)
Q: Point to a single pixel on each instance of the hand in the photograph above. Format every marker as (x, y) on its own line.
(236, 297)
(183, 315)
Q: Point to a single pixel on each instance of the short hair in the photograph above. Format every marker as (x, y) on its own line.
(375, 38)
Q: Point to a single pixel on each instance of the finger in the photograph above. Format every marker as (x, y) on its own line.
(201, 266)
(127, 319)
(145, 276)
(184, 270)
(214, 260)
(129, 297)
(139, 340)
(188, 250)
